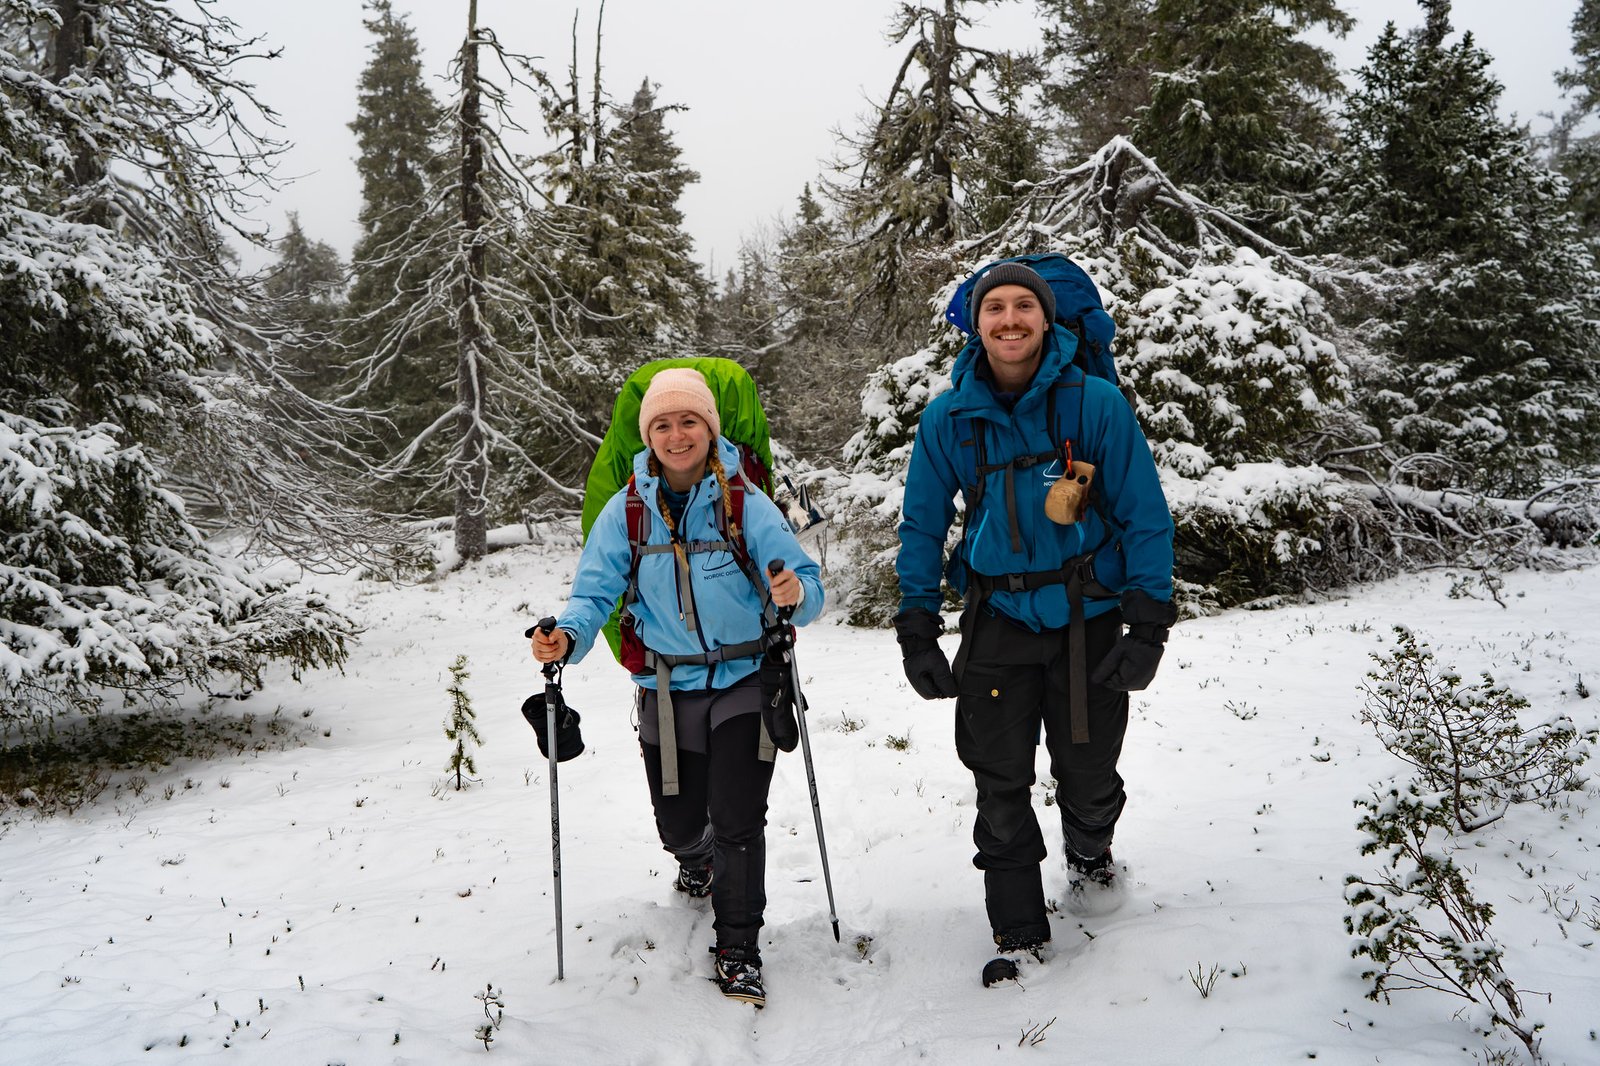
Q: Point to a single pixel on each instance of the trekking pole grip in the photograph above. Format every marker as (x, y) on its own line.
(774, 568)
(546, 625)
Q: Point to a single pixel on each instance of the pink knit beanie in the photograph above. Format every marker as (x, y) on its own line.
(678, 389)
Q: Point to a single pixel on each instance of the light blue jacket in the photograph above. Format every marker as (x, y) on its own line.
(726, 608)
(1137, 551)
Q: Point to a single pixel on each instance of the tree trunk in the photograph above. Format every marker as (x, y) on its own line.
(940, 75)
(470, 468)
(70, 55)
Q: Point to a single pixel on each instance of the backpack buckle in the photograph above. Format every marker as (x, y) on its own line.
(1016, 582)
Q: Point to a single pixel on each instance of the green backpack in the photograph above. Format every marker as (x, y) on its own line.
(744, 422)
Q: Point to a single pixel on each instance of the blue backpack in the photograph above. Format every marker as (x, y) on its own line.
(1078, 308)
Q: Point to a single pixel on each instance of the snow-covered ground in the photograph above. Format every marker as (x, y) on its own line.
(332, 901)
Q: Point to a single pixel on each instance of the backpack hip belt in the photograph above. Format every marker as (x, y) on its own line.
(1077, 574)
(666, 720)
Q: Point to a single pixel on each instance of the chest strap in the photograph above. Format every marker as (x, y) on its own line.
(984, 468)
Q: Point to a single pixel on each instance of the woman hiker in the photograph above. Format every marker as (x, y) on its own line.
(700, 612)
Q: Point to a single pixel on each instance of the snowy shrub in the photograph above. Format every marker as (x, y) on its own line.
(1253, 531)
(1417, 921)
(104, 584)
(1465, 741)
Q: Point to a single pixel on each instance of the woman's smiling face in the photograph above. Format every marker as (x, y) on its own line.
(681, 441)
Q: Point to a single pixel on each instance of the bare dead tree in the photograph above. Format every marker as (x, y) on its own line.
(489, 250)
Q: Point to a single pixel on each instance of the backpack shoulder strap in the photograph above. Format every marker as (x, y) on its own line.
(739, 488)
(638, 536)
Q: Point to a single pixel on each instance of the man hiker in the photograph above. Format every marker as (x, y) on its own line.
(1066, 538)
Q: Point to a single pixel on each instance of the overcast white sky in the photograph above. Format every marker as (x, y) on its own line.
(767, 85)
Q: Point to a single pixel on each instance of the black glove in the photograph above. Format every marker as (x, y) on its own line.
(1131, 663)
(777, 690)
(569, 741)
(927, 669)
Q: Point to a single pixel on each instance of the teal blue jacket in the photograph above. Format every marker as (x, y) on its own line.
(727, 610)
(1129, 524)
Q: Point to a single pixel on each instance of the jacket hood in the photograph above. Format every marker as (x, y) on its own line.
(974, 397)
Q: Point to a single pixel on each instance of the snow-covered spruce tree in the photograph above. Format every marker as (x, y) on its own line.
(1227, 97)
(306, 290)
(820, 350)
(1223, 352)
(900, 185)
(105, 584)
(1574, 151)
(614, 180)
(1494, 345)
(1236, 110)
(1096, 74)
(489, 274)
(164, 151)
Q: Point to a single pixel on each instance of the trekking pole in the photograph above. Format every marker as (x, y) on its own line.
(552, 696)
(775, 567)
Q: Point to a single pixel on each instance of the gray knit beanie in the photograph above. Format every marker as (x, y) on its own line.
(1013, 274)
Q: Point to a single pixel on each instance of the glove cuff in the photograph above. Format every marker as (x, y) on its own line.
(1147, 617)
(917, 627)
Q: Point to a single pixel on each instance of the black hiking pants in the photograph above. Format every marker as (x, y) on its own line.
(719, 816)
(1015, 685)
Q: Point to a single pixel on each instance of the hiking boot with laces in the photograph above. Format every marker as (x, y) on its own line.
(694, 880)
(739, 974)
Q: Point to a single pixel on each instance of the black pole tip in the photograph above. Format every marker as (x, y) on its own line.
(775, 567)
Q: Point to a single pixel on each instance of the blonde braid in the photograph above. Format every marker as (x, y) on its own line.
(715, 462)
(653, 465)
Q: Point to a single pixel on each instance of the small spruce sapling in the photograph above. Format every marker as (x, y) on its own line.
(459, 727)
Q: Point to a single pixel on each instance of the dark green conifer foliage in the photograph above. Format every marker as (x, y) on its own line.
(1236, 102)
(1098, 75)
(827, 348)
(614, 181)
(1577, 155)
(1495, 346)
(398, 157)
(1010, 146)
(306, 287)
(654, 284)
(900, 185)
